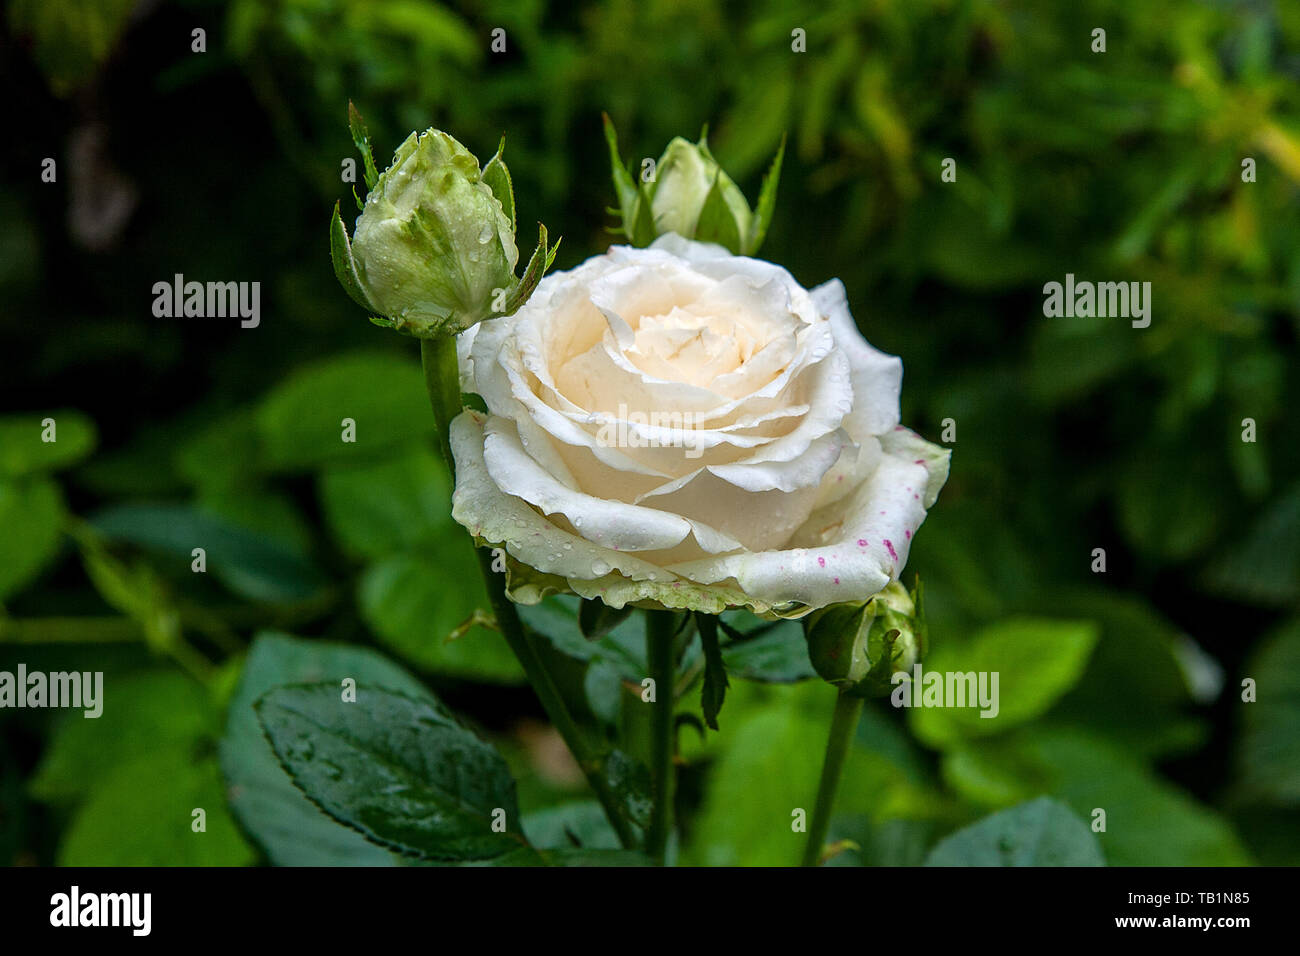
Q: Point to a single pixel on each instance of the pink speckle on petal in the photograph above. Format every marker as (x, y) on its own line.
(890, 548)
(862, 542)
(821, 562)
(919, 461)
(837, 580)
(917, 497)
(909, 535)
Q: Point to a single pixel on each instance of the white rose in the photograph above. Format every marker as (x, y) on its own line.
(684, 427)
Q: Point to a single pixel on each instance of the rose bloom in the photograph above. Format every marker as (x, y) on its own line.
(680, 427)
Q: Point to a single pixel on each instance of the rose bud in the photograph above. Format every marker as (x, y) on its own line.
(434, 248)
(692, 196)
(859, 646)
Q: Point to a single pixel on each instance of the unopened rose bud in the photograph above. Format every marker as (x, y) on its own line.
(858, 646)
(434, 248)
(688, 183)
(433, 241)
(692, 196)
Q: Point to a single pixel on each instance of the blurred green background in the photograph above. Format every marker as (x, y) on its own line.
(1120, 690)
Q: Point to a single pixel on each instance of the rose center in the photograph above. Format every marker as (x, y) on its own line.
(684, 345)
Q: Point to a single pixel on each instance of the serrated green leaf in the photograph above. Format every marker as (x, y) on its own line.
(556, 620)
(407, 601)
(290, 829)
(146, 712)
(714, 689)
(300, 422)
(778, 654)
(141, 814)
(1149, 822)
(579, 823)
(765, 768)
(398, 770)
(252, 565)
(378, 508)
(222, 453)
(1042, 832)
(1036, 660)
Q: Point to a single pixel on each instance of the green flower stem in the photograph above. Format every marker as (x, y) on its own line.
(843, 725)
(517, 636)
(441, 377)
(660, 627)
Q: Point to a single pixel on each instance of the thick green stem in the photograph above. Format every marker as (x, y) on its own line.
(660, 627)
(441, 377)
(517, 636)
(843, 725)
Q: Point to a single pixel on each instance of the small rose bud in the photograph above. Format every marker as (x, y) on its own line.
(434, 249)
(692, 196)
(433, 242)
(858, 646)
(688, 183)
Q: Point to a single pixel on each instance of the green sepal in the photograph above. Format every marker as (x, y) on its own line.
(882, 641)
(835, 644)
(345, 267)
(766, 203)
(400, 770)
(541, 261)
(361, 137)
(624, 185)
(497, 176)
(641, 231)
(716, 222)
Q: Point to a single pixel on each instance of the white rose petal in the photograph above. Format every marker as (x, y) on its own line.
(680, 427)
